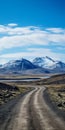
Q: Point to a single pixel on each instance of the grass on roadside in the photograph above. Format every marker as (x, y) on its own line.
(57, 95)
(11, 90)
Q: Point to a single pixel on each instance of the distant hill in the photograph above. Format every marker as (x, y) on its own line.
(55, 79)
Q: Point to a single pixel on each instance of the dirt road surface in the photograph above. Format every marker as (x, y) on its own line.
(29, 112)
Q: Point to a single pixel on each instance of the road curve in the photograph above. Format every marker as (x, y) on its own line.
(30, 112)
(45, 117)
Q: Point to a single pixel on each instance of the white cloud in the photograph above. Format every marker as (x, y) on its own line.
(57, 39)
(12, 35)
(12, 24)
(46, 52)
(31, 54)
(22, 36)
(55, 30)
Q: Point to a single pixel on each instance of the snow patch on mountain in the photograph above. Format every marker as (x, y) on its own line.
(38, 66)
(18, 65)
(44, 62)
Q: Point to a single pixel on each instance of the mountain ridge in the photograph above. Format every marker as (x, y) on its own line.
(50, 64)
(38, 65)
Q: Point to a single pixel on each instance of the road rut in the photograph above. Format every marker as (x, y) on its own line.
(30, 112)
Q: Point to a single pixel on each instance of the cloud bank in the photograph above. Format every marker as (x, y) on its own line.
(12, 36)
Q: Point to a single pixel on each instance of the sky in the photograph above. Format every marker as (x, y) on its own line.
(32, 28)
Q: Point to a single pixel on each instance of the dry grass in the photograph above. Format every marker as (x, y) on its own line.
(7, 92)
(57, 95)
(56, 89)
(21, 76)
(6, 95)
(55, 79)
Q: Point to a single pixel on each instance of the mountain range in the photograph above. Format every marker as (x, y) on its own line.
(38, 66)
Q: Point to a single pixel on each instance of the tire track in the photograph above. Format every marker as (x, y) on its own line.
(22, 119)
(32, 113)
(46, 118)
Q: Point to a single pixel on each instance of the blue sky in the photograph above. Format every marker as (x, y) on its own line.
(31, 28)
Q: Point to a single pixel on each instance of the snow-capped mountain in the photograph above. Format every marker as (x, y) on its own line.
(39, 65)
(17, 66)
(44, 62)
(58, 67)
(50, 64)
(58, 64)
(0, 65)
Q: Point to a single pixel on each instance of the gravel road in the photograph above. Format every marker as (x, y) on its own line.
(29, 112)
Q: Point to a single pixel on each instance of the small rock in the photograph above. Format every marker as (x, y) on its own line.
(59, 95)
(64, 103)
(60, 105)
